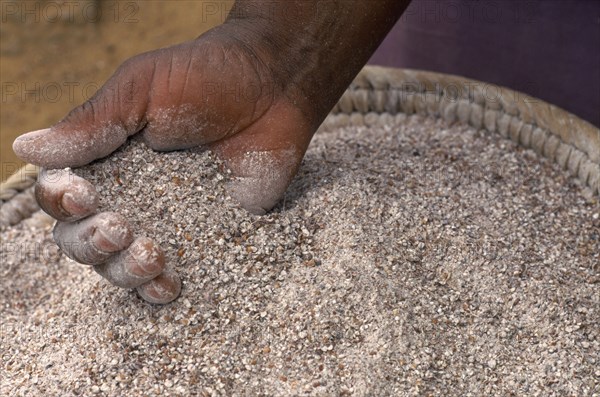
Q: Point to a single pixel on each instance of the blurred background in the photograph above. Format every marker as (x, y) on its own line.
(55, 54)
(549, 49)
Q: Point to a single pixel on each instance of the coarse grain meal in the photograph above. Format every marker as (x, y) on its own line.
(419, 258)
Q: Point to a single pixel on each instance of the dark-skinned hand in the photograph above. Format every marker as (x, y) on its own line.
(252, 90)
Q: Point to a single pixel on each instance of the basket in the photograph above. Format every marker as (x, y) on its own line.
(379, 95)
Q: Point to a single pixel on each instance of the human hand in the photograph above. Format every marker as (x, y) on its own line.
(253, 90)
(210, 92)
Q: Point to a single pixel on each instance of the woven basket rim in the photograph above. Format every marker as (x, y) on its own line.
(379, 93)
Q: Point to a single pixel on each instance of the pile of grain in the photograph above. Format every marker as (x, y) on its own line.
(416, 259)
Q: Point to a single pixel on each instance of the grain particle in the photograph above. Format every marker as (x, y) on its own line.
(468, 269)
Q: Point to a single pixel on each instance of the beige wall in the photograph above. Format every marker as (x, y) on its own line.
(53, 56)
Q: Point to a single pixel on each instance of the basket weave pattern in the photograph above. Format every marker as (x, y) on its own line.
(380, 95)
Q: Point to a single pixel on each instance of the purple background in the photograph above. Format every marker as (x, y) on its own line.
(549, 49)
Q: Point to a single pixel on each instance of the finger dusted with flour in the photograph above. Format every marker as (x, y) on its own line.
(65, 196)
(162, 289)
(93, 240)
(96, 128)
(138, 264)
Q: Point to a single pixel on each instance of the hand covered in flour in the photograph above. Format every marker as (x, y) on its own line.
(253, 90)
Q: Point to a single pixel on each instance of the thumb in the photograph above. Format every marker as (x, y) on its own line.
(97, 127)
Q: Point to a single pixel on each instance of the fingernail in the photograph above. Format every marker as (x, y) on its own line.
(33, 135)
(21, 145)
(165, 288)
(112, 233)
(148, 260)
(80, 204)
